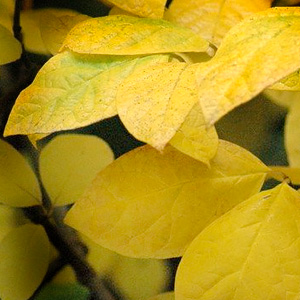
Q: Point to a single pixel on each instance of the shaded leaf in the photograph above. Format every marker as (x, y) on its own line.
(18, 183)
(212, 19)
(143, 8)
(24, 256)
(252, 252)
(10, 47)
(126, 35)
(72, 91)
(286, 173)
(164, 296)
(255, 54)
(115, 10)
(289, 83)
(282, 98)
(135, 206)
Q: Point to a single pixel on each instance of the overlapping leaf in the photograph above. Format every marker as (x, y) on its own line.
(69, 163)
(143, 8)
(286, 173)
(282, 98)
(252, 252)
(148, 204)
(10, 48)
(289, 83)
(212, 19)
(72, 91)
(18, 183)
(164, 296)
(126, 35)
(255, 54)
(24, 256)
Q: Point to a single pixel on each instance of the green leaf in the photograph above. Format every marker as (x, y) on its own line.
(255, 54)
(24, 256)
(135, 206)
(252, 252)
(72, 91)
(212, 19)
(69, 163)
(18, 183)
(10, 48)
(126, 35)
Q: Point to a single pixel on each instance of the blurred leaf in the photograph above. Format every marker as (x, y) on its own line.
(252, 252)
(281, 173)
(63, 292)
(72, 91)
(282, 98)
(34, 138)
(289, 83)
(126, 35)
(10, 48)
(135, 205)
(115, 10)
(18, 183)
(54, 29)
(255, 48)
(212, 19)
(143, 8)
(69, 163)
(164, 296)
(24, 256)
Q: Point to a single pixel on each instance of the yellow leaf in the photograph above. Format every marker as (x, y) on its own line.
(164, 296)
(24, 256)
(292, 135)
(286, 173)
(282, 98)
(255, 54)
(18, 183)
(212, 19)
(34, 138)
(252, 252)
(118, 11)
(135, 206)
(72, 91)
(289, 83)
(194, 138)
(69, 163)
(10, 48)
(126, 35)
(143, 8)
(10, 218)
(54, 29)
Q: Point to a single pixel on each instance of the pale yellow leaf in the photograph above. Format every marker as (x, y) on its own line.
(143, 8)
(292, 135)
(212, 19)
(54, 29)
(286, 173)
(282, 98)
(289, 83)
(135, 206)
(24, 256)
(10, 48)
(164, 296)
(194, 138)
(68, 164)
(72, 91)
(18, 183)
(126, 35)
(252, 252)
(255, 54)
(10, 218)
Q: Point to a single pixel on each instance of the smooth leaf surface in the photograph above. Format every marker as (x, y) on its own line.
(143, 8)
(10, 48)
(255, 54)
(69, 163)
(282, 98)
(212, 19)
(282, 173)
(135, 206)
(252, 252)
(24, 256)
(292, 135)
(289, 83)
(126, 35)
(18, 183)
(115, 10)
(54, 29)
(164, 296)
(72, 91)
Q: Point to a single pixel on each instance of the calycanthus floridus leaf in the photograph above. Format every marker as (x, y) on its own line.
(18, 184)
(126, 35)
(252, 252)
(255, 54)
(68, 163)
(10, 47)
(212, 19)
(143, 8)
(24, 256)
(152, 204)
(72, 91)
